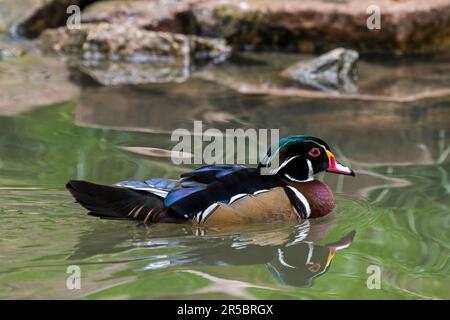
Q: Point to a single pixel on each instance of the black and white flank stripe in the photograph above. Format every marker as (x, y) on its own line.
(299, 201)
(201, 217)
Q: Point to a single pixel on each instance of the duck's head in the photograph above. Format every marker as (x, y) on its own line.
(301, 157)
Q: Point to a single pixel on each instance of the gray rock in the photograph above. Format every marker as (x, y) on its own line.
(332, 72)
(104, 41)
(113, 54)
(310, 26)
(120, 73)
(164, 15)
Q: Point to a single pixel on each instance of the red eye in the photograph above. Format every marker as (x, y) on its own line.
(314, 152)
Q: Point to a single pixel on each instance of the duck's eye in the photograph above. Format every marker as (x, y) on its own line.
(314, 152)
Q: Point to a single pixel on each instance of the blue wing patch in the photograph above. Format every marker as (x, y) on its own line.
(157, 183)
(209, 174)
(179, 194)
(161, 183)
(132, 184)
(223, 173)
(210, 168)
(157, 186)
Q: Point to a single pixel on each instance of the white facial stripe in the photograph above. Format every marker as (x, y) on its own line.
(310, 170)
(296, 180)
(321, 145)
(303, 200)
(284, 164)
(269, 160)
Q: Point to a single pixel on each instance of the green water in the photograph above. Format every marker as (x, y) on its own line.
(395, 214)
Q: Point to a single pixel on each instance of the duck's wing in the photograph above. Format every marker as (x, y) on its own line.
(157, 186)
(162, 186)
(207, 174)
(203, 187)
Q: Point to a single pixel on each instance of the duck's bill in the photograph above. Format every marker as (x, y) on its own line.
(336, 167)
(344, 243)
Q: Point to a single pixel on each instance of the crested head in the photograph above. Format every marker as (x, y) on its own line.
(301, 157)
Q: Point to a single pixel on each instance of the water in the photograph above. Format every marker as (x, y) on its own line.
(394, 214)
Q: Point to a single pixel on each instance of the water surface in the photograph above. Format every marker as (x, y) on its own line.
(394, 214)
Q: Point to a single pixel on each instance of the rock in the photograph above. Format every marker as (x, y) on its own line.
(42, 14)
(332, 72)
(308, 26)
(119, 73)
(125, 54)
(104, 41)
(169, 15)
(9, 51)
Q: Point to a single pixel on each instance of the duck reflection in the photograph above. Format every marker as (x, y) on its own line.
(293, 258)
(292, 254)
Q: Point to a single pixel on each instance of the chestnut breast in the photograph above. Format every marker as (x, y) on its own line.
(319, 196)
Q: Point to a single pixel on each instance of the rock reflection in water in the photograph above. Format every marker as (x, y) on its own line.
(397, 136)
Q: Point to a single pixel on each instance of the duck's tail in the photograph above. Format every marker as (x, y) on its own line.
(110, 202)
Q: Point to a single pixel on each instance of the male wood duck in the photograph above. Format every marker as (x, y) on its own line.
(294, 263)
(225, 194)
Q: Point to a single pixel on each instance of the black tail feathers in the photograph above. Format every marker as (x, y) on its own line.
(115, 202)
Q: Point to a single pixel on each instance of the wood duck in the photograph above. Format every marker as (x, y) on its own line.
(225, 194)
